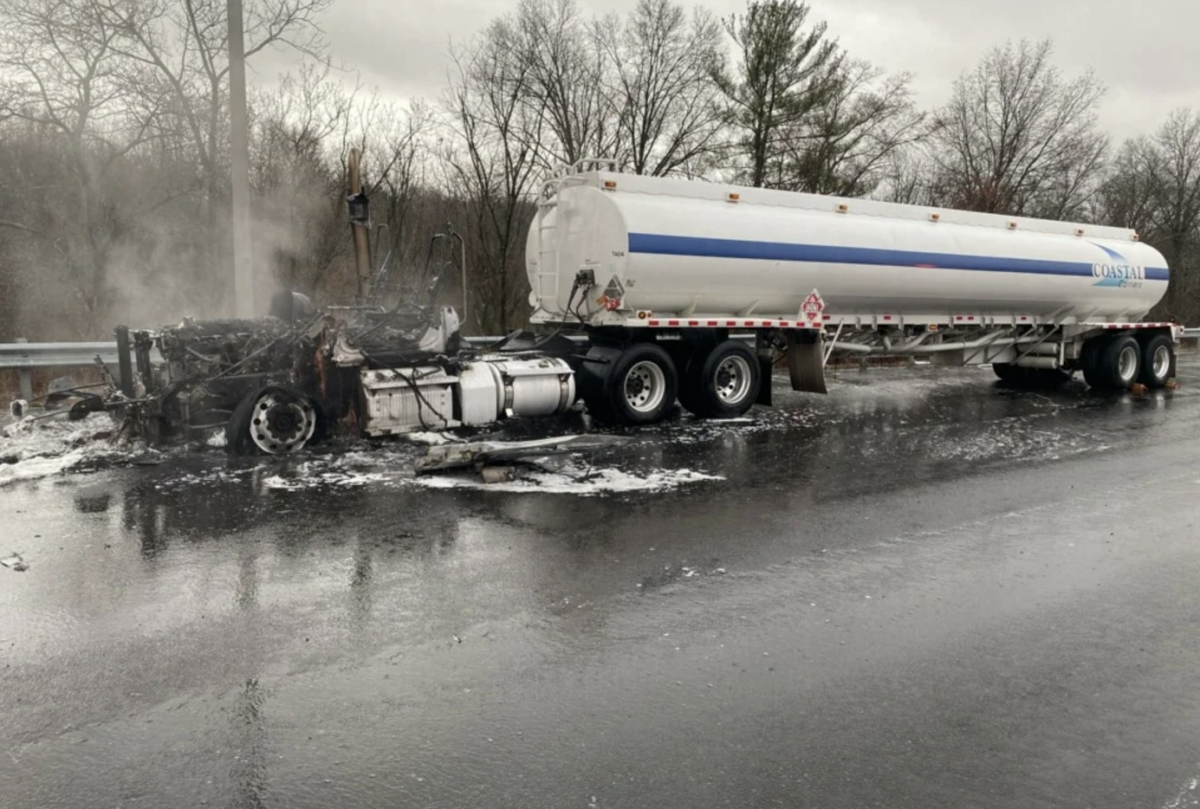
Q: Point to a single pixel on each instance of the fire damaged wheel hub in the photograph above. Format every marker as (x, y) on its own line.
(282, 423)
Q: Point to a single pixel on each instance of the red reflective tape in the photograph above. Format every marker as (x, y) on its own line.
(653, 322)
(730, 322)
(693, 322)
(672, 322)
(887, 317)
(712, 322)
(958, 317)
(970, 317)
(783, 323)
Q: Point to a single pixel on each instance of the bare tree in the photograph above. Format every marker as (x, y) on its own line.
(491, 166)
(61, 73)
(1154, 188)
(1016, 137)
(843, 146)
(564, 74)
(183, 46)
(667, 113)
(782, 73)
(300, 227)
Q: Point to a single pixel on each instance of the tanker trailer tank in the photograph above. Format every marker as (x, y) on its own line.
(673, 267)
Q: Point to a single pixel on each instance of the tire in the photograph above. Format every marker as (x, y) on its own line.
(1158, 359)
(689, 393)
(274, 420)
(640, 387)
(1089, 361)
(1015, 376)
(724, 382)
(591, 378)
(1118, 363)
(1008, 373)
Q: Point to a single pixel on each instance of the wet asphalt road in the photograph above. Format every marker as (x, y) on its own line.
(920, 591)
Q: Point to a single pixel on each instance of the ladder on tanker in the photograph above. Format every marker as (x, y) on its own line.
(560, 178)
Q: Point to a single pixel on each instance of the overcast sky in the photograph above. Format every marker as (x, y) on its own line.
(1147, 52)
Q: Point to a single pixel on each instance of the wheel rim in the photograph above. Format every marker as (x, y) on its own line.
(1162, 362)
(645, 387)
(732, 380)
(282, 424)
(1127, 364)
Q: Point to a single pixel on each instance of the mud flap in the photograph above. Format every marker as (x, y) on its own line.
(766, 369)
(806, 361)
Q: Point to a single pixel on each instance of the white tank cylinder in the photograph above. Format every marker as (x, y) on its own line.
(674, 246)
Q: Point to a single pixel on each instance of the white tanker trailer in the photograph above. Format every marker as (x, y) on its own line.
(661, 272)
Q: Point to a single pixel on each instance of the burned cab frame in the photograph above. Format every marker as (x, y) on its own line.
(278, 384)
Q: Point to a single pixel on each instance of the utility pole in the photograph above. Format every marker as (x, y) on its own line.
(239, 149)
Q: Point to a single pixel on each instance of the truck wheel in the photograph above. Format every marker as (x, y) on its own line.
(725, 382)
(1008, 373)
(1118, 362)
(640, 387)
(689, 396)
(1089, 361)
(274, 420)
(1158, 357)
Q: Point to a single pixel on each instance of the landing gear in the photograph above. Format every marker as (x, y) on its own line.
(274, 420)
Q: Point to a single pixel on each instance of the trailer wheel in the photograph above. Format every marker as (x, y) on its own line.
(640, 386)
(1089, 361)
(274, 420)
(1158, 358)
(1009, 373)
(1117, 364)
(724, 383)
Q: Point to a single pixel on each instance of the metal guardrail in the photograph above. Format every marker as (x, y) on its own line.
(54, 355)
(27, 356)
(64, 355)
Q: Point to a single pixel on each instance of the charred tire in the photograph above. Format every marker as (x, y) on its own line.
(724, 383)
(639, 388)
(274, 420)
(1158, 359)
(1117, 364)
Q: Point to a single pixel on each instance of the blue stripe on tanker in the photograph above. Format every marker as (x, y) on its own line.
(657, 244)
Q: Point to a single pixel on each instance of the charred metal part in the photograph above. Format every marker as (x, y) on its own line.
(480, 454)
(124, 362)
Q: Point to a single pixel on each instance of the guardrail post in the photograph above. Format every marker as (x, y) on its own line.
(26, 377)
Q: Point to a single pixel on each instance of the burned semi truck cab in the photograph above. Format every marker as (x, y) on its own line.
(278, 384)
